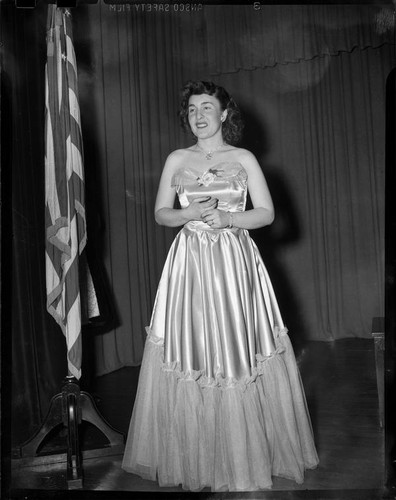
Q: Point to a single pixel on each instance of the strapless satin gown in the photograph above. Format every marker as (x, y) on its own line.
(220, 402)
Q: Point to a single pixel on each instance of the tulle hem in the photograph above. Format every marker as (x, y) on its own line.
(221, 382)
(228, 435)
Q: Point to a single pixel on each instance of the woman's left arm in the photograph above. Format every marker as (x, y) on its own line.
(262, 213)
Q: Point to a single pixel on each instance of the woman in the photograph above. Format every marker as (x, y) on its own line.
(220, 402)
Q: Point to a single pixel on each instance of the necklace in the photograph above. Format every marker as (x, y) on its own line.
(209, 154)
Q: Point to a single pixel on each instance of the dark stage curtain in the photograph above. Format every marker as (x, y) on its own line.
(311, 84)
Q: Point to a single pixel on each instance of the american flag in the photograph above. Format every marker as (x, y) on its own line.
(64, 184)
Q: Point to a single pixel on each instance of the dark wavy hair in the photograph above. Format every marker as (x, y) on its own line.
(232, 126)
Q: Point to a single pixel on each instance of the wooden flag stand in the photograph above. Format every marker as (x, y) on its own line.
(70, 407)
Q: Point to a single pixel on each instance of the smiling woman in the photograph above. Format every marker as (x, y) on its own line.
(205, 117)
(220, 402)
(214, 97)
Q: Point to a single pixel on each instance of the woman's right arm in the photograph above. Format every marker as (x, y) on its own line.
(165, 214)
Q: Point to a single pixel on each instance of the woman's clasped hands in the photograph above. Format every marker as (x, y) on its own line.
(205, 209)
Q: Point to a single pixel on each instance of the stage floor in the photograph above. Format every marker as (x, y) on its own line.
(340, 384)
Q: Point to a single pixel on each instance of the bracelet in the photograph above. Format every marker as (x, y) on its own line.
(231, 223)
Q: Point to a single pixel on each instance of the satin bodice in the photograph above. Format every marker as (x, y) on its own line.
(225, 181)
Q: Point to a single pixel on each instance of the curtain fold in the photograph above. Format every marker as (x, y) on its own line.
(346, 217)
(246, 37)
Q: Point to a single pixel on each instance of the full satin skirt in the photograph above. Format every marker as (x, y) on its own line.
(220, 402)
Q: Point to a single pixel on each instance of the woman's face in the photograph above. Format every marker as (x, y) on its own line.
(205, 115)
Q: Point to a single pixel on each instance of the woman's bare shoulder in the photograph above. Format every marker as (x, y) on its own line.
(177, 158)
(245, 157)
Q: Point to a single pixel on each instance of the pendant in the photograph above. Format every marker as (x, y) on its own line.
(208, 154)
